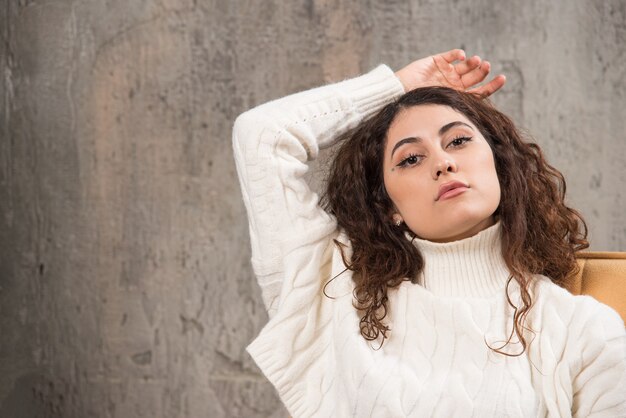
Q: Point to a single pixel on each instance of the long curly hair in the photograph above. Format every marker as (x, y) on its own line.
(540, 233)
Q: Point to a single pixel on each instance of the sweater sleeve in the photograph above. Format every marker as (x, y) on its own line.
(599, 386)
(272, 144)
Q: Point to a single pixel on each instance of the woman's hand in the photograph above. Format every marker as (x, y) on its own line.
(440, 70)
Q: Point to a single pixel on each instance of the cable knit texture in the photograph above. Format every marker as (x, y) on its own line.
(436, 362)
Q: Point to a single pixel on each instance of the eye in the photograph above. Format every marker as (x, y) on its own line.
(459, 141)
(412, 159)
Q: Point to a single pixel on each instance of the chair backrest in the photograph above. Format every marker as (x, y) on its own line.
(602, 275)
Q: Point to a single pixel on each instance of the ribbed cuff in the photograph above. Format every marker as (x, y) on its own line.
(371, 91)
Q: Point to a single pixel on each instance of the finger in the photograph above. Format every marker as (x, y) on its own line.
(488, 89)
(452, 55)
(444, 66)
(477, 75)
(468, 65)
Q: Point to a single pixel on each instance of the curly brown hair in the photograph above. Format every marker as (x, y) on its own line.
(540, 234)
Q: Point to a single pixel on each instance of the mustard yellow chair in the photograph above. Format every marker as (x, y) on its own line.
(602, 275)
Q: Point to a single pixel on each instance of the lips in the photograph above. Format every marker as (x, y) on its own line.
(451, 185)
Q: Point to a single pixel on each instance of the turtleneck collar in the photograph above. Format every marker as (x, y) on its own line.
(472, 267)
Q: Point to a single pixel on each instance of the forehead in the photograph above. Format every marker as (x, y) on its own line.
(423, 121)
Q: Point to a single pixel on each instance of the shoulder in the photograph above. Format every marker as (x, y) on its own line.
(583, 314)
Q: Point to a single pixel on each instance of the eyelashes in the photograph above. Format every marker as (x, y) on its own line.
(415, 159)
(460, 140)
(410, 160)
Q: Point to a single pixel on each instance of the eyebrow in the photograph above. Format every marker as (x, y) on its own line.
(415, 139)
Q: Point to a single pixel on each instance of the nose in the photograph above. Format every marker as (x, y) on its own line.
(444, 165)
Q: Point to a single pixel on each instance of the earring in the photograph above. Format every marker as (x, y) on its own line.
(398, 222)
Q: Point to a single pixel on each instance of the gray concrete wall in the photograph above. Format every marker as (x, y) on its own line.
(125, 286)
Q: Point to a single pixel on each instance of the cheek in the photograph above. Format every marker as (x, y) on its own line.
(487, 175)
(407, 190)
(394, 187)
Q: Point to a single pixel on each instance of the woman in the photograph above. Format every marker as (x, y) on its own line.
(430, 284)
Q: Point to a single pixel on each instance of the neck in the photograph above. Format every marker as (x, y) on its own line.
(470, 267)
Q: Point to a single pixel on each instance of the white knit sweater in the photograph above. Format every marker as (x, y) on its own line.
(436, 362)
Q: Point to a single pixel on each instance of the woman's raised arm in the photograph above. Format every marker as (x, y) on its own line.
(272, 144)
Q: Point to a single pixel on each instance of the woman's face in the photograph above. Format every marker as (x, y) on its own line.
(430, 149)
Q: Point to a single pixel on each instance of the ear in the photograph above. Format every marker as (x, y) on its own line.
(397, 219)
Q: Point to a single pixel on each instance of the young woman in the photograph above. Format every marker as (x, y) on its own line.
(431, 285)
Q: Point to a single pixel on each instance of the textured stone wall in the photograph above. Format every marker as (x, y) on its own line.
(125, 285)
